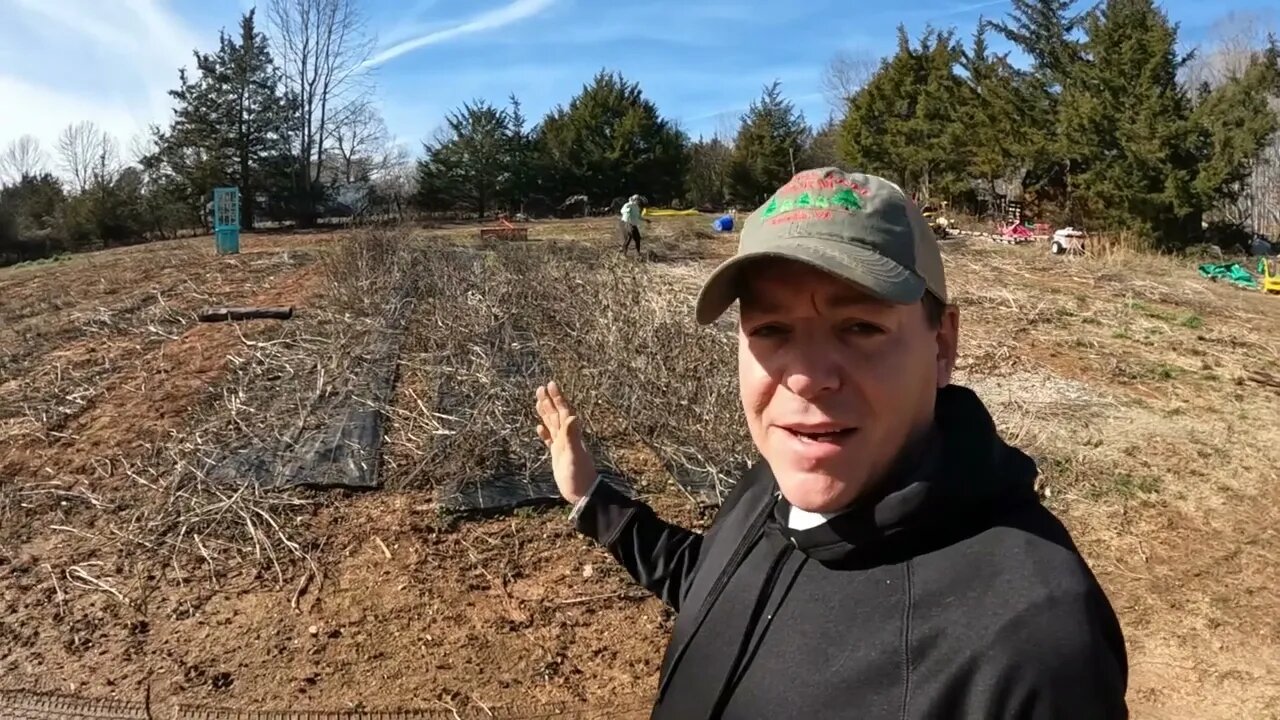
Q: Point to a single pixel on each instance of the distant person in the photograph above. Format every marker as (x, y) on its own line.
(889, 556)
(632, 216)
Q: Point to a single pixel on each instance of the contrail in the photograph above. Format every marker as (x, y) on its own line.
(514, 12)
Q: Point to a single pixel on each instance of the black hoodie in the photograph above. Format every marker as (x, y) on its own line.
(953, 593)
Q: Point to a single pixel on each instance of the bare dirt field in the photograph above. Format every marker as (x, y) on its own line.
(136, 569)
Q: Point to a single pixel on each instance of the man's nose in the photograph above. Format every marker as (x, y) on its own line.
(813, 371)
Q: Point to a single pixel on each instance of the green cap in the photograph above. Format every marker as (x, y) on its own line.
(860, 228)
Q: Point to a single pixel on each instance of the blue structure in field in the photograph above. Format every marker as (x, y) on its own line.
(226, 220)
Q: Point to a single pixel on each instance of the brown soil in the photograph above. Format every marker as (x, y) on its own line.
(1121, 375)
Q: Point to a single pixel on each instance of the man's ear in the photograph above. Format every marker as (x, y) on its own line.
(948, 337)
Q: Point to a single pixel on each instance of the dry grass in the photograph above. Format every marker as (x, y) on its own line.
(493, 324)
(1125, 374)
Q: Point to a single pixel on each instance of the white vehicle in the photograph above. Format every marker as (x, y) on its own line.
(1067, 240)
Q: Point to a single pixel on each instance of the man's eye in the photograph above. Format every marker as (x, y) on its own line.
(863, 328)
(768, 331)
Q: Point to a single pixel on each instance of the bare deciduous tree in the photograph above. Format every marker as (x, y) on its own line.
(78, 150)
(727, 127)
(396, 184)
(362, 141)
(844, 75)
(89, 156)
(142, 146)
(322, 46)
(1232, 41)
(23, 157)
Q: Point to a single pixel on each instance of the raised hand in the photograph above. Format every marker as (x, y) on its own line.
(561, 430)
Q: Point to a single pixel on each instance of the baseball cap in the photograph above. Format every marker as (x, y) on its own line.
(860, 228)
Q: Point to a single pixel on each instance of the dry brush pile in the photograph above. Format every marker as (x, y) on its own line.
(494, 323)
(224, 496)
(299, 407)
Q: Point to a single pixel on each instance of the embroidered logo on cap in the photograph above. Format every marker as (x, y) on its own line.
(798, 199)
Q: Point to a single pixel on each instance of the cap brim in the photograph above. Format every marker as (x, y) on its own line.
(878, 275)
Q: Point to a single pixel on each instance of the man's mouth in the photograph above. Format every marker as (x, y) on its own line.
(820, 433)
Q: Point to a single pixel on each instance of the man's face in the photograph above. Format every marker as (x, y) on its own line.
(834, 382)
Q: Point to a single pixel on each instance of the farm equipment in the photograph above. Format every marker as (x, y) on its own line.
(1269, 270)
(1068, 240)
(504, 231)
(1015, 234)
(939, 223)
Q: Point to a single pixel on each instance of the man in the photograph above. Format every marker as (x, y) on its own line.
(630, 225)
(889, 557)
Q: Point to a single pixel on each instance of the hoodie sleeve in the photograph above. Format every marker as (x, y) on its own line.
(661, 557)
(1063, 661)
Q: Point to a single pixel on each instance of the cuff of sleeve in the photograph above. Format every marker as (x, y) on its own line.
(582, 502)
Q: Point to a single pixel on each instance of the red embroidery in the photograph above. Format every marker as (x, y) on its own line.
(800, 215)
(822, 183)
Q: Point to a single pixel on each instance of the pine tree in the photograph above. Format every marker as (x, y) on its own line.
(1236, 121)
(770, 143)
(823, 147)
(907, 123)
(1126, 128)
(995, 137)
(610, 141)
(874, 134)
(521, 172)
(707, 176)
(469, 166)
(229, 120)
(1045, 30)
(937, 146)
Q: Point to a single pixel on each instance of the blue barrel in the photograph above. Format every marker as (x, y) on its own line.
(227, 241)
(724, 223)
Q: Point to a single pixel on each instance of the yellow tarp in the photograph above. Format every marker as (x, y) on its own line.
(667, 212)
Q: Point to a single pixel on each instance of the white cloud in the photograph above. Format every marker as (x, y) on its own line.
(108, 62)
(43, 111)
(492, 20)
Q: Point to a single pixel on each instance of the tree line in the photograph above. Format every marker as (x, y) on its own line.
(1106, 126)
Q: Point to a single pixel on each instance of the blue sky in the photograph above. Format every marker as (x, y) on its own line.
(702, 61)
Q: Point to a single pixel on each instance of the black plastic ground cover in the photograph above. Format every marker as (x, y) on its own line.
(338, 443)
(502, 493)
(512, 469)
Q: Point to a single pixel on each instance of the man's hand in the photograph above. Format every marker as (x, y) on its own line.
(561, 430)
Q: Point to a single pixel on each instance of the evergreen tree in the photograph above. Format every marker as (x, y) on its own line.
(610, 141)
(1045, 30)
(823, 148)
(469, 166)
(994, 134)
(937, 146)
(29, 214)
(707, 177)
(520, 156)
(1126, 128)
(768, 149)
(1236, 121)
(874, 134)
(907, 123)
(228, 121)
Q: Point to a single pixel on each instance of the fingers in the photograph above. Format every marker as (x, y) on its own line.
(561, 403)
(556, 414)
(547, 411)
